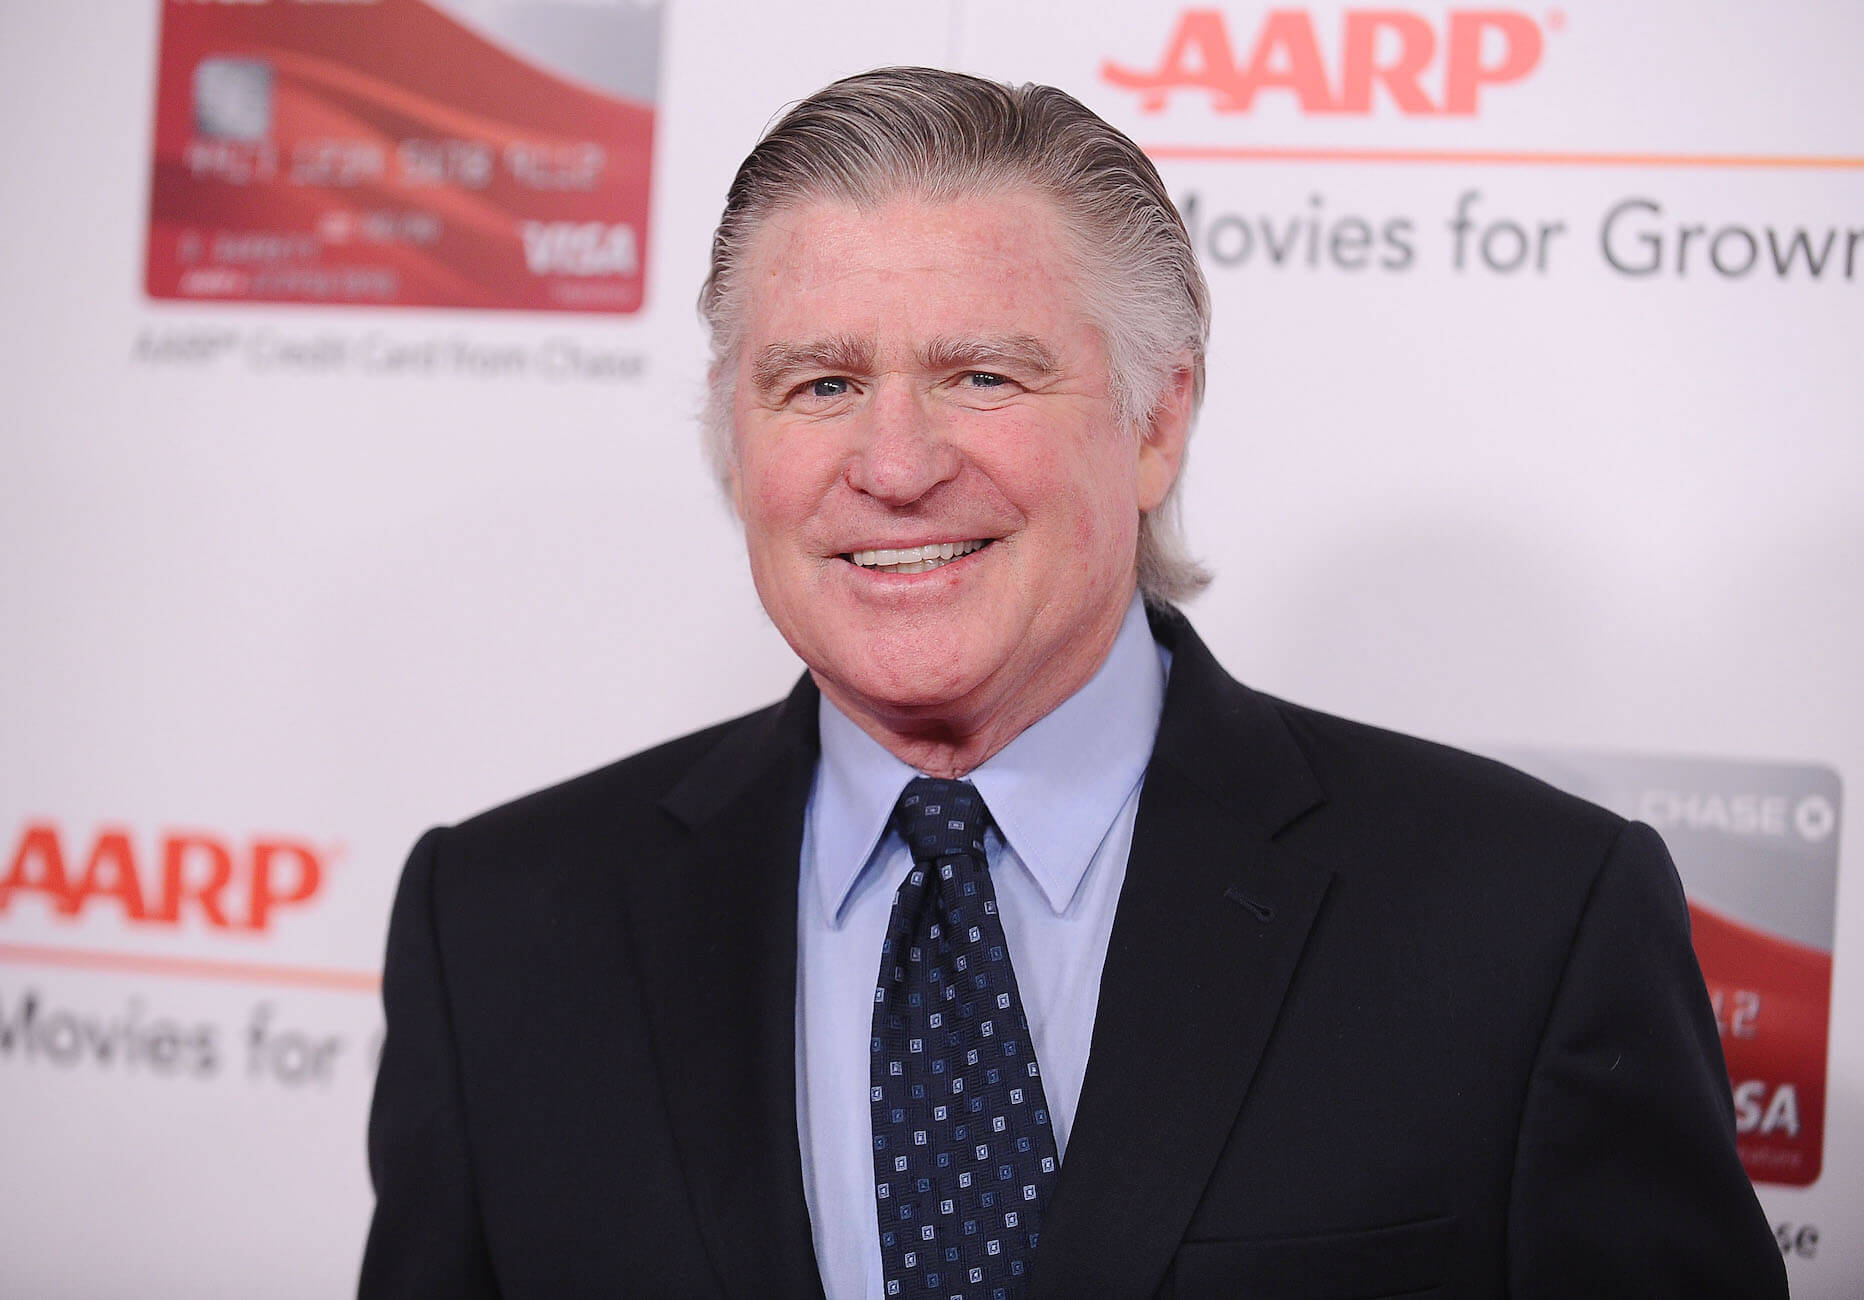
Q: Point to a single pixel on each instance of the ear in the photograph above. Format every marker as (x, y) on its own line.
(734, 483)
(1161, 449)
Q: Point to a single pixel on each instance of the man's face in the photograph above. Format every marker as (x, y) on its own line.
(921, 376)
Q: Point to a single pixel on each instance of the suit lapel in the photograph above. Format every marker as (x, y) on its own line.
(1211, 923)
(716, 930)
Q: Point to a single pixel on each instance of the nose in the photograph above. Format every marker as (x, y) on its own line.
(901, 452)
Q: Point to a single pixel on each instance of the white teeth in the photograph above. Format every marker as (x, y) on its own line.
(915, 559)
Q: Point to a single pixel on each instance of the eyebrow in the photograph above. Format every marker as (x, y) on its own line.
(777, 362)
(1022, 354)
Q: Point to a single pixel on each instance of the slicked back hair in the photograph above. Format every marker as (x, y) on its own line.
(939, 136)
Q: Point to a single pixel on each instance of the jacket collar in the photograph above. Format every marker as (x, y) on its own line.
(1210, 926)
(1053, 791)
(713, 928)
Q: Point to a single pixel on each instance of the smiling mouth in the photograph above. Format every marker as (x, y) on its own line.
(914, 559)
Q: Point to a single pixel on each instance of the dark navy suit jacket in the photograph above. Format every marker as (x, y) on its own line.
(1378, 1018)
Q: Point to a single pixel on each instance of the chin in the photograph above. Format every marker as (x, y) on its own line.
(906, 675)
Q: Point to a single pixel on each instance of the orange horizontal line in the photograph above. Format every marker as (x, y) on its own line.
(1493, 157)
(192, 967)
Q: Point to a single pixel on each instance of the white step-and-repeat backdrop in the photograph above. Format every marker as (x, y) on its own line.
(349, 483)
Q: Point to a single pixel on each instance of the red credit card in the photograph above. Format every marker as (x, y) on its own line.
(1772, 1000)
(404, 153)
(1756, 846)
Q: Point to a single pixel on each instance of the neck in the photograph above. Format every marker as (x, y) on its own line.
(952, 740)
(939, 746)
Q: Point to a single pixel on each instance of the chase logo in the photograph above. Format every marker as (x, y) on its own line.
(1812, 817)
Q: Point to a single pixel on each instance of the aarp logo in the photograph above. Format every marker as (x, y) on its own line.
(161, 881)
(1427, 67)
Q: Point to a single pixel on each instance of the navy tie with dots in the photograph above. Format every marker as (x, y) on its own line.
(964, 1156)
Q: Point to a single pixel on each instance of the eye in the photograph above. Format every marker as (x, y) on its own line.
(829, 386)
(984, 379)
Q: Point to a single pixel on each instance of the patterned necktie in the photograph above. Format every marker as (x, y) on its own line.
(964, 1158)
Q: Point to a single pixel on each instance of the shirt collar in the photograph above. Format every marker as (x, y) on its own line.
(1053, 792)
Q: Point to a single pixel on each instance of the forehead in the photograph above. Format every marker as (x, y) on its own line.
(912, 266)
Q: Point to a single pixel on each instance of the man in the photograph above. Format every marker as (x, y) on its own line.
(1021, 951)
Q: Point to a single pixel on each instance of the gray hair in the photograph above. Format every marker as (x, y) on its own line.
(940, 136)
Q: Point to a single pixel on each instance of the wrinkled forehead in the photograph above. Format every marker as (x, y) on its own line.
(986, 263)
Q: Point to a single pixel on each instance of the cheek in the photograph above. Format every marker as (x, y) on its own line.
(1107, 529)
(762, 500)
(779, 484)
(1079, 484)
(1106, 503)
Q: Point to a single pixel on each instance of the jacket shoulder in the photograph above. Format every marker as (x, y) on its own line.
(1297, 770)
(630, 789)
(1469, 817)
(1357, 759)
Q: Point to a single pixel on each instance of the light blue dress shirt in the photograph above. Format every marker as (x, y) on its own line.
(1063, 796)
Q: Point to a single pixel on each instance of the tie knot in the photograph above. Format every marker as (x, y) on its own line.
(941, 819)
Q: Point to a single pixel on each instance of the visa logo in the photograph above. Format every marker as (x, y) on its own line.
(580, 248)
